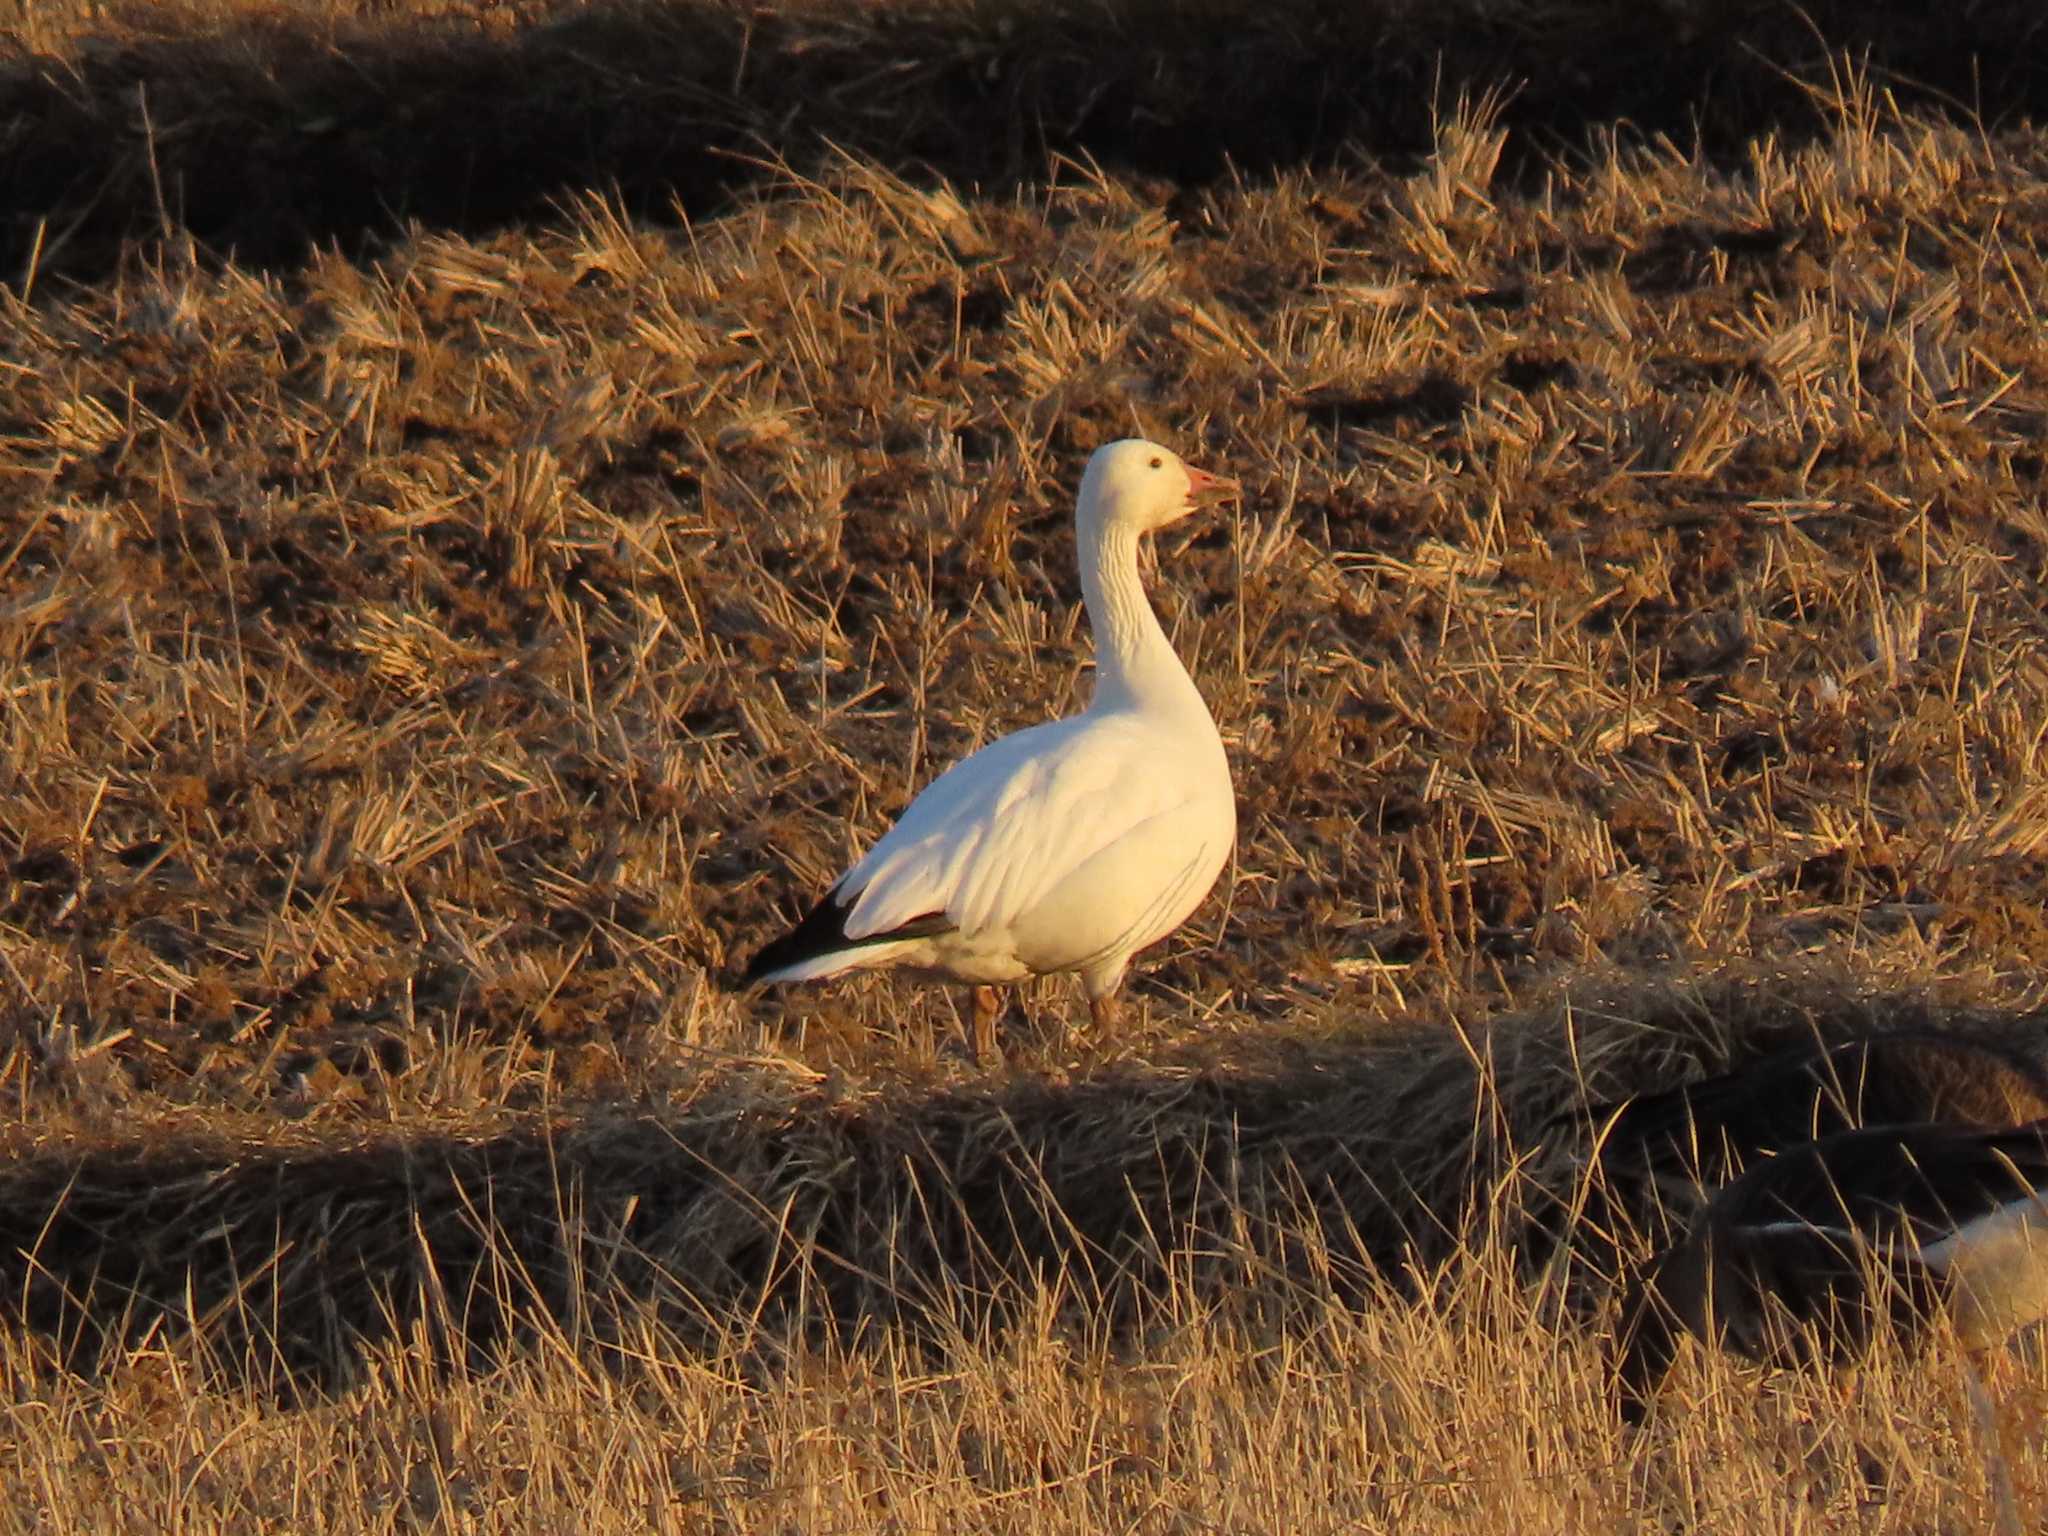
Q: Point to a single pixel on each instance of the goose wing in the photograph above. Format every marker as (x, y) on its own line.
(994, 834)
(1724, 1122)
(1912, 1182)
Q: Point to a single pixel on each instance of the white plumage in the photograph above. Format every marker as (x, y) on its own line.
(1074, 844)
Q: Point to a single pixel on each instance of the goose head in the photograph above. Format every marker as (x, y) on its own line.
(1136, 484)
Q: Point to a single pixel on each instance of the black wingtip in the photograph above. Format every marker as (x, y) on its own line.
(822, 930)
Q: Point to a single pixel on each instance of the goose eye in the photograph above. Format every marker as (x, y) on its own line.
(1157, 463)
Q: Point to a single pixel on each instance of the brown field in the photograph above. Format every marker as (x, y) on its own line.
(433, 655)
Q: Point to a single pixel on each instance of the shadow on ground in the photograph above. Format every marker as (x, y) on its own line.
(1319, 1176)
(266, 139)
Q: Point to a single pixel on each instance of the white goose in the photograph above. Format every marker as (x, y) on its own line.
(1069, 846)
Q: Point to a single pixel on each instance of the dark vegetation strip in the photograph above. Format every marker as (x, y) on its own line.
(1314, 1178)
(264, 138)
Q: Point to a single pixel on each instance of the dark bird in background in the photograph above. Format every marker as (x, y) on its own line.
(1714, 1127)
(1657, 1156)
(1805, 1257)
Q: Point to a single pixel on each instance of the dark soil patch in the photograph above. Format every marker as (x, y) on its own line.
(263, 138)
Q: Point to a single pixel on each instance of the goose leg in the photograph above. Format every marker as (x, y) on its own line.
(1103, 1010)
(988, 1007)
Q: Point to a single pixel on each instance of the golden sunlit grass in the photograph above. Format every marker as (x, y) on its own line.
(1464, 1411)
(422, 679)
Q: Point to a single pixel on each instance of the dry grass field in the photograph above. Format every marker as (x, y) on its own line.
(433, 655)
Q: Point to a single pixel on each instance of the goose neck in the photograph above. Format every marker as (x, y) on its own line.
(1135, 664)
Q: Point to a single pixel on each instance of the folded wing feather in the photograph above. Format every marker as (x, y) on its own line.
(988, 838)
